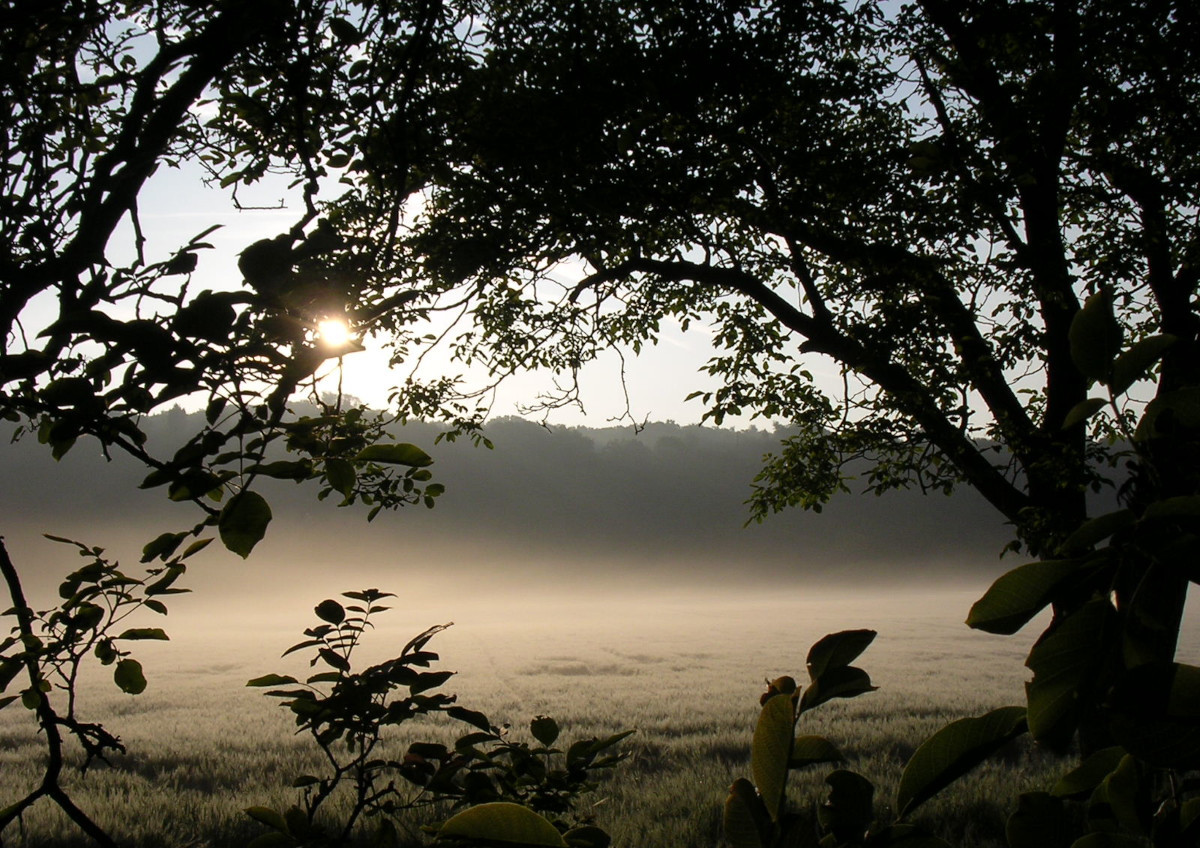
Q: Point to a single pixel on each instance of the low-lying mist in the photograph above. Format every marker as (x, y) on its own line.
(563, 513)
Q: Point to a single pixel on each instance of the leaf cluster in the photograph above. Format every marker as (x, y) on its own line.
(347, 714)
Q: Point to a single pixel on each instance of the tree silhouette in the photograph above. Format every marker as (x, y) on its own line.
(982, 213)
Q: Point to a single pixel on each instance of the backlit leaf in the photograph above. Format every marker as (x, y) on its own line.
(1019, 595)
(771, 749)
(809, 750)
(1155, 711)
(837, 650)
(243, 522)
(271, 680)
(398, 454)
(1082, 780)
(331, 611)
(156, 633)
(1134, 364)
(502, 822)
(746, 821)
(1095, 337)
(129, 678)
(953, 751)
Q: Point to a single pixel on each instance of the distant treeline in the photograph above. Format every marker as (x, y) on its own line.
(668, 497)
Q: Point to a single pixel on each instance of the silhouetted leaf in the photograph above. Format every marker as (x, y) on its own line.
(163, 546)
(1172, 509)
(544, 730)
(953, 751)
(331, 611)
(1082, 780)
(243, 522)
(429, 680)
(850, 808)
(334, 659)
(1155, 714)
(1134, 364)
(341, 475)
(271, 839)
(268, 817)
(398, 454)
(810, 750)
(904, 835)
(587, 836)
(1095, 337)
(129, 678)
(156, 633)
(1108, 840)
(839, 682)
(471, 717)
(1040, 821)
(1082, 411)
(195, 547)
(8, 699)
(271, 680)
(837, 650)
(502, 821)
(771, 749)
(1062, 663)
(1097, 530)
(747, 824)
(1016, 597)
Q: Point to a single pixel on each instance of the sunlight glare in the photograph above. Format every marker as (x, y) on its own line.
(334, 333)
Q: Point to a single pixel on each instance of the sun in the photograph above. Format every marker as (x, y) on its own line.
(334, 333)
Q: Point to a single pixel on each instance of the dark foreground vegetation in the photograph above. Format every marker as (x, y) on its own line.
(982, 214)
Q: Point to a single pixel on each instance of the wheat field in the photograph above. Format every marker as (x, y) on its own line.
(684, 670)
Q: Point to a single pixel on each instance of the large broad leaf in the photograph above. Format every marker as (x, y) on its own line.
(809, 750)
(398, 454)
(1019, 595)
(1095, 337)
(1083, 780)
(1170, 411)
(904, 835)
(154, 633)
(771, 750)
(747, 823)
(953, 751)
(1109, 840)
(1155, 714)
(271, 680)
(1097, 529)
(850, 808)
(243, 522)
(129, 678)
(837, 650)
(1134, 364)
(841, 682)
(1040, 821)
(331, 611)
(1064, 663)
(502, 821)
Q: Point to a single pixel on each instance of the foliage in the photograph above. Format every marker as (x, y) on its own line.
(920, 196)
(50, 647)
(100, 327)
(340, 708)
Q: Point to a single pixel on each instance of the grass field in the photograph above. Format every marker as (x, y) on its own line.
(684, 670)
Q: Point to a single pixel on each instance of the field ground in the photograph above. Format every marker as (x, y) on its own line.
(685, 671)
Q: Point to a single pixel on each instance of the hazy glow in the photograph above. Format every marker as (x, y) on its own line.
(334, 333)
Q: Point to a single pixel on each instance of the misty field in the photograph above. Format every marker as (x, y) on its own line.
(684, 670)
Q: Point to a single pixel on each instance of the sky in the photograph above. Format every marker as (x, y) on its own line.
(176, 206)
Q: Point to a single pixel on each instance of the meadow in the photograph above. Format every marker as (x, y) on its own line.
(683, 669)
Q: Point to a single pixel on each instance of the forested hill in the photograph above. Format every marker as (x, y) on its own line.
(666, 502)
